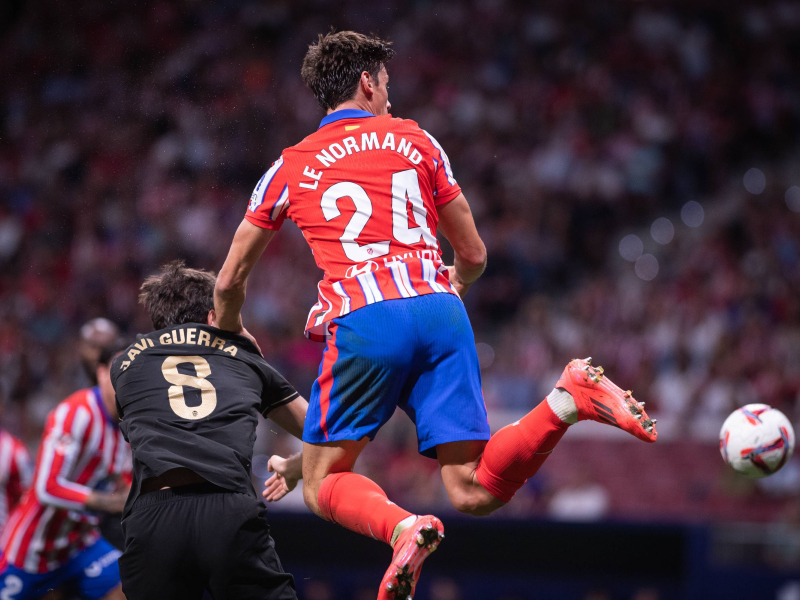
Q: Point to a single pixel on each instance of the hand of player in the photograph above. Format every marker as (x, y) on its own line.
(242, 331)
(460, 286)
(288, 471)
(112, 503)
(250, 337)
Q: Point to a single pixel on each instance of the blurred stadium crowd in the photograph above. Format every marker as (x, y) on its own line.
(602, 146)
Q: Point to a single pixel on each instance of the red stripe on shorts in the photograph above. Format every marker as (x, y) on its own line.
(326, 378)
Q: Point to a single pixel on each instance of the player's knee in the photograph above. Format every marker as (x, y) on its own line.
(476, 509)
(474, 503)
(311, 497)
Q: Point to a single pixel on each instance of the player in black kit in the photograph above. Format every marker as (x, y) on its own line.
(189, 395)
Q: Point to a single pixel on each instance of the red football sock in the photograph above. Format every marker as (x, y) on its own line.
(516, 452)
(360, 505)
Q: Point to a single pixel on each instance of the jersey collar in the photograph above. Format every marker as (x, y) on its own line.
(98, 398)
(345, 113)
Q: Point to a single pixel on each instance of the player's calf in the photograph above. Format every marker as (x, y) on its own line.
(311, 498)
(321, 461)
(459, 462)
(516, 452)
(359, 504)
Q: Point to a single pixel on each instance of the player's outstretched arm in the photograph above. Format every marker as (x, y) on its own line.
(248, 245)
(291, 417)
(458, 226)
(111, 503)
(288, 471)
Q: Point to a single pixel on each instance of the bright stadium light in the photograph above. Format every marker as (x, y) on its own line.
(631, 247)
(646, 267)
(754, 181)
(692, 214)
(793, 198)
(485, 354)
(662, 230)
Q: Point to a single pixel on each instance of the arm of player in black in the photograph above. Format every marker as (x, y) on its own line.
(248, 245)
(458, 226)
(288, 471)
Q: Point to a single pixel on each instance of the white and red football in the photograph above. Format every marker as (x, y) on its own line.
(756, 440)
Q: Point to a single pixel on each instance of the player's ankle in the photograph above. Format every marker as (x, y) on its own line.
(563, 405)
(401, 527)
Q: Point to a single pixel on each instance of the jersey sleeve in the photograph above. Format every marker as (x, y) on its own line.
(61, 448)
(277, 391)
(445, 186)
(270, 198)
(21, 474)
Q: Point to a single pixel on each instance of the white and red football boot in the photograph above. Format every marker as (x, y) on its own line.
(600, 399)
(411, 549)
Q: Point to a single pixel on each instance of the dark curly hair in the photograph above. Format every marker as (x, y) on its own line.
(333, 65)
(178, 295)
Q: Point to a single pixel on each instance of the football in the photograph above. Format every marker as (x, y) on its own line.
(756, 440)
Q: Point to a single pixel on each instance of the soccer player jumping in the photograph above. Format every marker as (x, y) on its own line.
(369, 192)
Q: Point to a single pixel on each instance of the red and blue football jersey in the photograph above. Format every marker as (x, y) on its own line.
(364, 191)
(82, 450)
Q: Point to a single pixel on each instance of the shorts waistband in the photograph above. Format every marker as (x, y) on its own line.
(184, 491)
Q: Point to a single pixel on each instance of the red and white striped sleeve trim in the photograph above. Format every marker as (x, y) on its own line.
(270, 198)
(16, 472)
(61, 448)
(23, 465)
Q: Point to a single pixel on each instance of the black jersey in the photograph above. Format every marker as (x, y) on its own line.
(189, 396)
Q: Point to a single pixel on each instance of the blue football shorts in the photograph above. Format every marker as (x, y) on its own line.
(416, 353)
(90, 574)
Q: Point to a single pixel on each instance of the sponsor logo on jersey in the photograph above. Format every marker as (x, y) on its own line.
(365, 267)
(63, 443)
(253, 202)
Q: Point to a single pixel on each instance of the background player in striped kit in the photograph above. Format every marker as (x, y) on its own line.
(95, 335)
(16, 472)
(83, 468)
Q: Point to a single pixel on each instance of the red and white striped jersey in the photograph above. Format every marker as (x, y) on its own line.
(364, 192)
(16, 471)
(82, 450)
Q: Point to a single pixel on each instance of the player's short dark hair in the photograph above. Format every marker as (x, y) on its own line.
(333, 65)
(178, 295)
(110, 351)
(95, 335)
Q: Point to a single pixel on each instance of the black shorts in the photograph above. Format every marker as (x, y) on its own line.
(180, 542)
